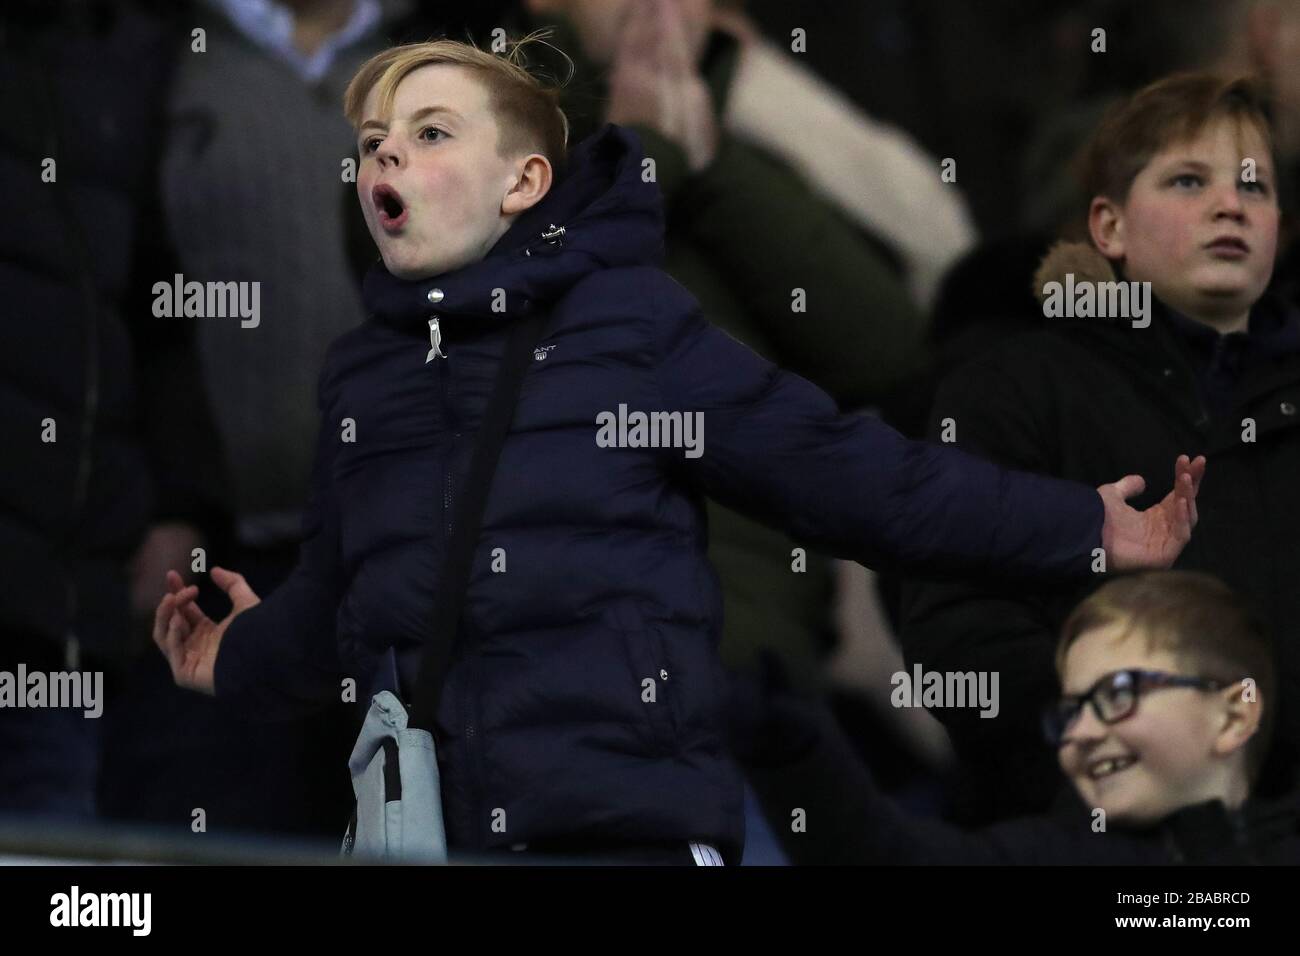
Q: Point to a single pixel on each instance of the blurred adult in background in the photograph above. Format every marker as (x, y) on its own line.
(1144, 42)
(871, 171)
(113, 468)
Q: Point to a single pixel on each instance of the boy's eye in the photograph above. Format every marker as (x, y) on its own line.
(1186, 180)
(1256, 187)
(424, 134)
(371, 144)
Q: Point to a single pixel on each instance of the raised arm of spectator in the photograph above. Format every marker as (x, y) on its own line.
(805, 272)
(776, 447)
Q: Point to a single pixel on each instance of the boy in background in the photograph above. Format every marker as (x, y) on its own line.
(1167, 712)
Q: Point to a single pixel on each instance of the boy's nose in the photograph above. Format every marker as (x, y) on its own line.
(1086, 728)
(1227, 202)
(389, 156)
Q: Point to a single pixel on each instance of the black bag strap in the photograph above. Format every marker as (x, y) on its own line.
(442, 639)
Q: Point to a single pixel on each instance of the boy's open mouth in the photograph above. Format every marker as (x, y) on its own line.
(388, 204)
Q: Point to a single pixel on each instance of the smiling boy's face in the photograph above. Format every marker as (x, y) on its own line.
(434, 190)
(1204, 238)
(1181, 746)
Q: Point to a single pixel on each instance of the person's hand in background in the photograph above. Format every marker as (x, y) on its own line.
(166, 545)
(187, 637)
(654, 81)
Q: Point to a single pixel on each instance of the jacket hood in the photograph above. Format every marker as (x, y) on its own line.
(599, 214)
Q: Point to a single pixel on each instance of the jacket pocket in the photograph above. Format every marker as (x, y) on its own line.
(652, 669)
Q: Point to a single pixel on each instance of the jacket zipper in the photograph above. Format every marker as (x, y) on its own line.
(469, 693)
(435, 341)
(1173, 353)
(468, 696)
(1213, 369)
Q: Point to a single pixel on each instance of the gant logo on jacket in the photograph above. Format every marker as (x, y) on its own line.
(539, 353)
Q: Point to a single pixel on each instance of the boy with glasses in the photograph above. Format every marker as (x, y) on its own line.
(1165, 720)
(1168, 697)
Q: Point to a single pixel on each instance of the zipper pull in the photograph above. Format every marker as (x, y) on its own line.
(435, 339)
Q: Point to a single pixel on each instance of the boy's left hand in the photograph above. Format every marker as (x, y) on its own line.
(1135, 540)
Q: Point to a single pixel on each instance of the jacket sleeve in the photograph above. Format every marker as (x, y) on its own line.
(988, 626)
(806, 765)
(770, 234)
(872, 171)
(776, 448)
(279, 659)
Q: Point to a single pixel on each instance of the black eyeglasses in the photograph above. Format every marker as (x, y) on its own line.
(1115, 697)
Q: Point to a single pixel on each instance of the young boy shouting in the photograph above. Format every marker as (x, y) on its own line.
(586, 714)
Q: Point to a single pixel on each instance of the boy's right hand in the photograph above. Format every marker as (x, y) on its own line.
(187, 637)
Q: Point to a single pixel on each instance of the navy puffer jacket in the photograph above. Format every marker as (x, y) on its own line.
(606, 590)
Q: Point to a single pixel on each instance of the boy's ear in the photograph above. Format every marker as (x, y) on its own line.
(1240, 719)
(532, 181)
(1106, 225)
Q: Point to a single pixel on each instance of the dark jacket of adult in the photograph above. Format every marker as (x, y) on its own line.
(606, 591)
(1091, 400)
(103, 420)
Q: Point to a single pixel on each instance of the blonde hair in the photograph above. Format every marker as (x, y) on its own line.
(527, 110)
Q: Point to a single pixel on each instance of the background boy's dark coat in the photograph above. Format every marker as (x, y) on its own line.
(1090, 400)
(79, 342)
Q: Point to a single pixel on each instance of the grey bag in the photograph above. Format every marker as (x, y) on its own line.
(394, 764)
(395, 777)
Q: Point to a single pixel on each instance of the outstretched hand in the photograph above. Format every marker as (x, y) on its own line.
(187, 637)
(1136, 540)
